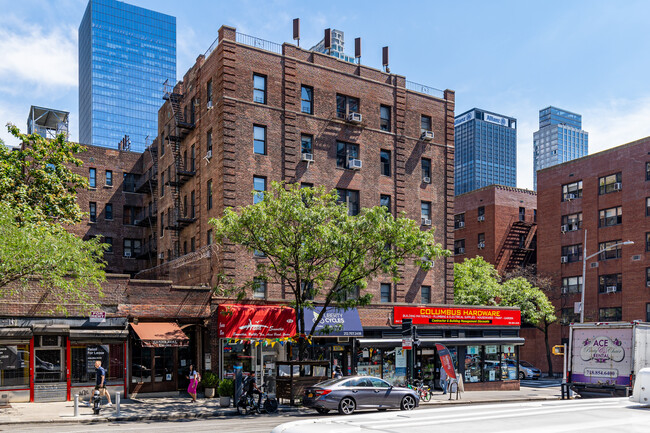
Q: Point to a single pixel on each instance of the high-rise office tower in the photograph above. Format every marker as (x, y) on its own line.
(486, 150)
(337, 48)
(125, 55)
(560, 138)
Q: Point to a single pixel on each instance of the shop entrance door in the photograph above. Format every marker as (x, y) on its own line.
(50, 368)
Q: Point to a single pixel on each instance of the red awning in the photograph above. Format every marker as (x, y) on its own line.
(256, 321)
(160, 334)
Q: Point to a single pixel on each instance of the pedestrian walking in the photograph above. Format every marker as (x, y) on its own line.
(194, 378)
(443, 380)
(337, 373)
(100, 383)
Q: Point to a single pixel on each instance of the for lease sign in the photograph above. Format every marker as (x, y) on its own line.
(457, 316)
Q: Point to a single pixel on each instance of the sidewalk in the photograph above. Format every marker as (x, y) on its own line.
(180, 407)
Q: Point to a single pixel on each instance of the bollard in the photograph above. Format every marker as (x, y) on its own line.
(76, 405)
(117, 404)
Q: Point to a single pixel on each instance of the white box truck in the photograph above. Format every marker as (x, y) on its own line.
(604, 358)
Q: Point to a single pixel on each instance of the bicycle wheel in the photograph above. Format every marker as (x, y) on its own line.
(271, 405)
(425, 395)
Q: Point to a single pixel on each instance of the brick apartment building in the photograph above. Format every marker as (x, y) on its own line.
(498, 223)
(605, 197)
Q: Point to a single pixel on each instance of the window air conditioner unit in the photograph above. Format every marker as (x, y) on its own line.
(481, 218)
(209, 104)
(564, 259)
(354, 118)
(461, 250)
(426, 222)
(618, 186)
(481, 244)
(611, 289)
(308, 157)
(127, 253)
(161, 256)
(355, 164)
(208, 154)
(570, 196)
(564, 228)
(461, 224)
(426, 179)
(427, 135)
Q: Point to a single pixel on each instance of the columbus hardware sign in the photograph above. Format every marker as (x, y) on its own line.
(457, 316)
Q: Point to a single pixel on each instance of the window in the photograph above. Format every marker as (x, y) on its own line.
(307, 99)
(385, 292)
(610, 283)
(193, 158)
(307, 288)
(425, 210)
(93, 211)
(612, 314)
(162, 145)
(572, 284)
(611, 183)
(129, 182)
(425, 294)
(610, 253)
(647, 171)
(384, 156)
(611, 217)
(208, 92)
(573, 253)
(647, 277)
(345, 152)
(459, 221)
(306, 142)
(209, 188)
(572, 191)
(259, 288)
(192, 203)
(351, 199)
(129, 214)
(162, 224)
(109, 240)
(346, 105)
(259, 139)
(132, 247)
(481, 240)
(192, 244)
(425, 123)
(208, 140)
(481, 213)
(92, 177)
(459, 246)
(259, 88)
(426, 170)
(259, 186)
(569, 315)
(109, 178)
(647, 312)
(647, 241)
(384, 118)
(108, 211)
(572, 222)
(209, 239)
(162, 184)
(384, 200)
(522, 214)
(647, 206)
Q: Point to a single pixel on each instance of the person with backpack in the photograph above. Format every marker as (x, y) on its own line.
(194, 378)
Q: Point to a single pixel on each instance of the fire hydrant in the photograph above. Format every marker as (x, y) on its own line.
(97, 400)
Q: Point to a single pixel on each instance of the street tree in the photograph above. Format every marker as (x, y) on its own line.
(321, 253)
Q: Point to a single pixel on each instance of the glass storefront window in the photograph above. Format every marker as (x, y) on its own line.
(164, 364)
(473, 364)
(140, 364)
(492, 364)
(14, 365)
(509, 370)
(83, 362)
(236, 355)
(369, 362)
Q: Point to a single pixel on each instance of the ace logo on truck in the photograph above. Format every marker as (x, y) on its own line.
(602, 349)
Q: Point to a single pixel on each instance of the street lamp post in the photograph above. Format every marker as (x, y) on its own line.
(584, 270)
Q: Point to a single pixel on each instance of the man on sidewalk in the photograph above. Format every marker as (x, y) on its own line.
(100, 383)
(443, 380)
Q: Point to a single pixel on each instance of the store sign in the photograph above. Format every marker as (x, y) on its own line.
(256, 321)
(96, 353)
(446, 360)
(407, 343)
(400, 358)
(97, 316)
(9, 358)
(464, 118)
(491, 118)
(457, 316)
(334, 323)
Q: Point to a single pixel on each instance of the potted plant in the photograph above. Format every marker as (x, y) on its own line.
(210, 381)
(226, 390)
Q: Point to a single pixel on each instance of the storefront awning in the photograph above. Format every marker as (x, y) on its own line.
(429, 342)
(256, 321)
(83, 334)
(160, 334)
(334, 323)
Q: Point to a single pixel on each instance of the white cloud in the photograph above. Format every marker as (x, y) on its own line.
(44, 57)
(616, 122)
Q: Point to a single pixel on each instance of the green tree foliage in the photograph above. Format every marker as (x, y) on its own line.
(318, 251)
(47, 255)
(37, 181)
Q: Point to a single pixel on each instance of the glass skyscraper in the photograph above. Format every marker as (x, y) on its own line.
(486, 150)
(125, 55)
(560, 138)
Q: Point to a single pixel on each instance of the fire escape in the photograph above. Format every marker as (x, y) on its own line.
(519, 247)
(178, 219)
(148, 185)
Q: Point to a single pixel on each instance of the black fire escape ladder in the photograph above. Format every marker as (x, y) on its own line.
(516, 248)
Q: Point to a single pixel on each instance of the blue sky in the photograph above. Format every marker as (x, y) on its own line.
(511, 57)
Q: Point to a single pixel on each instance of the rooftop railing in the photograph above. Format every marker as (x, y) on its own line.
(421, 88)
(259, 43)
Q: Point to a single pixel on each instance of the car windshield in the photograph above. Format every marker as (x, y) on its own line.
(526, 364)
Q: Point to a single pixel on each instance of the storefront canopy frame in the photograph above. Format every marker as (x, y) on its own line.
(517, 341)
(16, 333)
(82, 334)
(160, 334)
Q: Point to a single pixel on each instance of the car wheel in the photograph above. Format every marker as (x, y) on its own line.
(522, 376)
(408, 403)
(322, 410)
(347, 406)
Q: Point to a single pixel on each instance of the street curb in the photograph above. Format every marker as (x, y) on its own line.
(231, 411)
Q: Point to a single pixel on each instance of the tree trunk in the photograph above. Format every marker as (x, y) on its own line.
(549, 356)
(300, 328)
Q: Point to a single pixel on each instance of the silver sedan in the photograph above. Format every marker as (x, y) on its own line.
(358, 392)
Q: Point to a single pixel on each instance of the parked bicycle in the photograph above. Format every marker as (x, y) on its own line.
(424, 391)
(248, 403)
